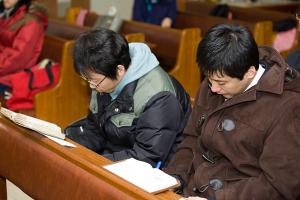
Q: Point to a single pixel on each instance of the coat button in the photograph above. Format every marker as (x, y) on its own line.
(117, 110)
(130, 108)
(215, 184)
(226, 125)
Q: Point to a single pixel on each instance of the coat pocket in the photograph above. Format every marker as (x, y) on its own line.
(123, 119)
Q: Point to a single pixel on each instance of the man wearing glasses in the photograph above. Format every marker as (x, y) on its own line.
(243, 137)
(136, 110)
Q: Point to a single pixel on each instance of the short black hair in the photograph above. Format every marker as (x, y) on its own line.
(100, 51)
(227, 49)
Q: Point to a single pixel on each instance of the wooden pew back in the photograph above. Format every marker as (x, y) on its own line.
(260, 30)
(165, 41)
(65, 30)
(69, 99)
(68, 30)
(245, 14)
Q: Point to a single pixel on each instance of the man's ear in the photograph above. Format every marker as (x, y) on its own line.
(250, 74)
(121, 71)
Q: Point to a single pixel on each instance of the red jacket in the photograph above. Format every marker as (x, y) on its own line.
(20, 47)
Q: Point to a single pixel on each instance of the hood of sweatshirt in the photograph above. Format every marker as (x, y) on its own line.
(142, 62)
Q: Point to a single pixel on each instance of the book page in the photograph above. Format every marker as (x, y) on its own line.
(143, 175)
(43, 127)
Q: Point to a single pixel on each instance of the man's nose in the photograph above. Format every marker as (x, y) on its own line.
(215, 88)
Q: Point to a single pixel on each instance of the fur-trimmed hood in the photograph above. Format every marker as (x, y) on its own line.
(36, 11)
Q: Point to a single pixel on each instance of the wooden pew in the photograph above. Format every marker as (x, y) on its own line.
(68, 100)
(260, 30)
(70, 31)
(246, 14)
(46, 170)
(65, 30)
(291, 7)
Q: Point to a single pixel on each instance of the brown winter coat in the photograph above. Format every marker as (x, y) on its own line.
(248, 145)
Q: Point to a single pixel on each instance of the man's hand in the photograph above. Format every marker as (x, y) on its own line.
(167, 22)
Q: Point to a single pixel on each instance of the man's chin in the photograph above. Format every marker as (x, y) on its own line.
(226, 96)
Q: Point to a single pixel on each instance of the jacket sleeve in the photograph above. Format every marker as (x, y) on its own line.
(279, 161)
(16, 57)
(156, 130)
(86, 133)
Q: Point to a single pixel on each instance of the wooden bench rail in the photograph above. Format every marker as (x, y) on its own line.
(45, 170)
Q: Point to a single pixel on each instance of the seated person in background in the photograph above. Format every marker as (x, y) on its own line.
(242, 140)
(293, 59)
(221, 10)
(137, 110)
(22, 29)
(286, 34)
(160, 12)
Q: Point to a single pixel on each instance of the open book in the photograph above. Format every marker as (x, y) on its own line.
(43, 127)
(142, 174)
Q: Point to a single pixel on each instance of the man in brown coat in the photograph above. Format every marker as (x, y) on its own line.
(243, 138)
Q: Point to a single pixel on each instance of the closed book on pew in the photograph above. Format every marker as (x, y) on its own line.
(40, 126)
(142, 174)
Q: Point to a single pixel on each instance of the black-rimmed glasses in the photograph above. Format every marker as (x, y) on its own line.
(91, 82)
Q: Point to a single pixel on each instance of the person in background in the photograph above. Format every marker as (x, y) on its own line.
(242, 139)
(160, 12)
(22, 29)
(293, 58)
(221, 10)
(137, 110)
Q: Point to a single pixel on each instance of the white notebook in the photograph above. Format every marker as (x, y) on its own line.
(143, 175)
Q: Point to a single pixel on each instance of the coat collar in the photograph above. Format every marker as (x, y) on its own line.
(272, 81)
